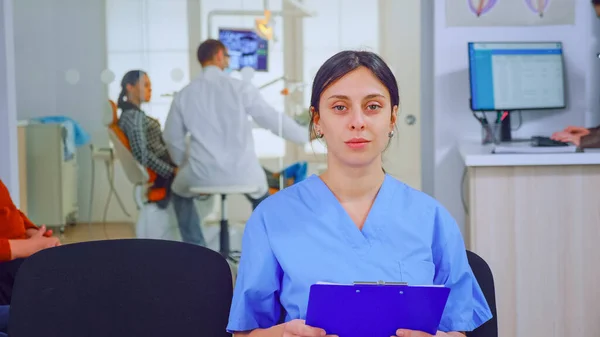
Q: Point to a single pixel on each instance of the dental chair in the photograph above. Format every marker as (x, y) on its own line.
(142, 179)
(135, 173)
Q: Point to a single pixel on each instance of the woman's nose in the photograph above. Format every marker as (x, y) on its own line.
(357, 122)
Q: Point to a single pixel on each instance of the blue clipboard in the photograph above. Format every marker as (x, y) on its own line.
(375, 309)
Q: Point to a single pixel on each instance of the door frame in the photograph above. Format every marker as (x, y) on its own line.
(400, 38)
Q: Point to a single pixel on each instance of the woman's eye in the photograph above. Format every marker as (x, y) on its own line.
(373, 106)
(339, 107)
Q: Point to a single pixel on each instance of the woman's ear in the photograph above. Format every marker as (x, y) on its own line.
(316, 118)
(394, 117)
(129, 88)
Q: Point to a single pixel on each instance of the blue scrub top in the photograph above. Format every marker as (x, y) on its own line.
(302, 235)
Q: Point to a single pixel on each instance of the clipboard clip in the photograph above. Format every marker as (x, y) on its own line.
(379, 283)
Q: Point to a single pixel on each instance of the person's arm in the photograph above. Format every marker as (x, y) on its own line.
(255, 308)
(136, 134)
(14, 249)
(467, 307)
(6, 200)
(174, 133)
(5, 250)
(267, 117)
(591, 140)
(23, 248)
(595, 128)
(30, 227)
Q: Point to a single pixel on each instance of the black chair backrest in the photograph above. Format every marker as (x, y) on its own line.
(134, 287)
(485, 278)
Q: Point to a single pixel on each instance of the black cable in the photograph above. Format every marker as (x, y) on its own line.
(91, 204)
(109, 176)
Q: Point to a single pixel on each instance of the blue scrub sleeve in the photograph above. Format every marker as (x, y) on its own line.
(256, 295)
(466, 308)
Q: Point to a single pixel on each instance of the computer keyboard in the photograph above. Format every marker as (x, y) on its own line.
(546, 142)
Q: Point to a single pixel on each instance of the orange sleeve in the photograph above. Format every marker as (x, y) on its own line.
(5, 200)
(5, 252)
(28, 224)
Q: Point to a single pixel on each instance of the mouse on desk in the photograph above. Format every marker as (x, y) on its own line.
(542, 141)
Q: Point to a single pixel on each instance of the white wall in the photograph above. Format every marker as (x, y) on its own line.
(452, 117)
(9, 173)
(51, 37)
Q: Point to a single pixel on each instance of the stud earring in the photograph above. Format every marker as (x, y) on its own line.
(391, 134)
(319, 134)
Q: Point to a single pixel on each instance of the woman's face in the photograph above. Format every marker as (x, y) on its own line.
(356, 118)
(141, 91)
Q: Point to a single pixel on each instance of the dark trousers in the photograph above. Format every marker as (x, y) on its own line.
(189, 221)
(8, 272)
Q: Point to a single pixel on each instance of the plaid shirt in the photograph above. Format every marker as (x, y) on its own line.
(146, 142)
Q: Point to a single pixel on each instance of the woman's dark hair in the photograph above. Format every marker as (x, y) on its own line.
(341, 64)
(132, 77)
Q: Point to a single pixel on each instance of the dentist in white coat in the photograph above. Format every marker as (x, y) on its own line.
(214, 108)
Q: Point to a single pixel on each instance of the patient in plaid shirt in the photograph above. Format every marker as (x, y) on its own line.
(145, 140)
(148, 148)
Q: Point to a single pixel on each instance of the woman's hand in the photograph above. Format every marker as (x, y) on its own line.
(40, 240)
(567, 137)
(298, 328)
(571, 134)
(577, 130)
(21, 249)
(32, 231)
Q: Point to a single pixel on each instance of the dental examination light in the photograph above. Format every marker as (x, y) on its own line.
(264, 26)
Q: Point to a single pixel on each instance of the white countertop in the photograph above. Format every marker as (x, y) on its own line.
(475, 154)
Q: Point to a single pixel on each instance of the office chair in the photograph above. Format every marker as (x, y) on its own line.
(485, 278)
(133, 287)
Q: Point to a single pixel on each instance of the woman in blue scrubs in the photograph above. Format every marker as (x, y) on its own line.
(353, 222)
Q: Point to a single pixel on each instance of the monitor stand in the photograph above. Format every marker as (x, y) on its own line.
(506, 129)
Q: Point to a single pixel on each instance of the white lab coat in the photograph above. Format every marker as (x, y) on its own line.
(214, 108)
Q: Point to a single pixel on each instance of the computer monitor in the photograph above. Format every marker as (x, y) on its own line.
(246, 49)
(507, 76)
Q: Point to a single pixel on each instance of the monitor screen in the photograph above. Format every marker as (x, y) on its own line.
(516, 75)
(246, 49)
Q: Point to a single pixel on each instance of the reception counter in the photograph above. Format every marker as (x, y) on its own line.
(535, 218)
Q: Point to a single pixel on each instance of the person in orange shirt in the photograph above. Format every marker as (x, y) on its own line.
(19, 239)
